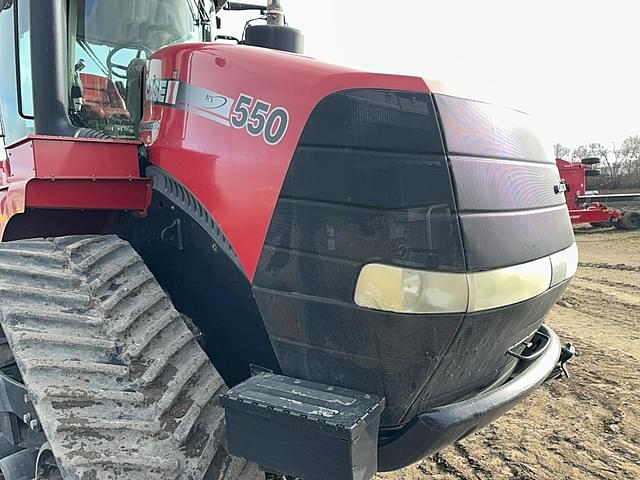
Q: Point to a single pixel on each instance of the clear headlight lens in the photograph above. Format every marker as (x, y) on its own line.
(402, 290)
(564, 264)
(505, 286)
(396, 289)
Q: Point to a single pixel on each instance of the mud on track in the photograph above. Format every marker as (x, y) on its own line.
(587, 427)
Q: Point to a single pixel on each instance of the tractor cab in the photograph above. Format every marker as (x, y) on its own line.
(107, 44)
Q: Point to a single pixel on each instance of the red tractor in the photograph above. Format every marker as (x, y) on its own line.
(366, 260)
(589, 207)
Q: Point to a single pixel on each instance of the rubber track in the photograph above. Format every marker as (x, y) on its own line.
(122, 388)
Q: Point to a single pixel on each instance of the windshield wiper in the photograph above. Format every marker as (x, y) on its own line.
(201, 17)
(204, 15)
(193, 13)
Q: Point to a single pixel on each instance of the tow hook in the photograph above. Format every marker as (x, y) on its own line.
(567, 353)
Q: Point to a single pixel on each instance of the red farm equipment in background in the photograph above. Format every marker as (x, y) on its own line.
(588, 206)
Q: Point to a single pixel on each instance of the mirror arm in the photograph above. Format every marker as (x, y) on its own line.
(237, 6)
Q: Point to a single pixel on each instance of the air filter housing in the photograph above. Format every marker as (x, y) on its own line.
(276, 37)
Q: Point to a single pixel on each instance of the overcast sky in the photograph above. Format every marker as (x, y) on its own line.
(573, 64)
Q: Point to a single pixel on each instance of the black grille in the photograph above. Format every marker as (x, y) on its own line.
(504, 179)
(369, 183)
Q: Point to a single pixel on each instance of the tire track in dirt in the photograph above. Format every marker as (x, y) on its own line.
(603, 301)
(625, 287)
(607, 266)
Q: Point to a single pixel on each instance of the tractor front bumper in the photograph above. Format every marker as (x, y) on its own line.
(435, 429)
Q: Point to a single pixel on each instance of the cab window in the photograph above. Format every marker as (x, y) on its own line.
(16, 123)
(111, 42)
(24, 60)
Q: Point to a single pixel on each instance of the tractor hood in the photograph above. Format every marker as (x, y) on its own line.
(417, 238)
(397, 240)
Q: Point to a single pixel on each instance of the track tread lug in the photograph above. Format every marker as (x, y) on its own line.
(48, 316)
(126, 290)
(28, 335)
(179, 382)
(126, 321)
(94, 394)
(161, 361)
(200, 399)
(142, 339)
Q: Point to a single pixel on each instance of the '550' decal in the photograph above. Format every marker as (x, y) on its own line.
(258, 118)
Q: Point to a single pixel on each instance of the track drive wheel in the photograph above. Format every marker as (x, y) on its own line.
(631, 221)
(120, 385)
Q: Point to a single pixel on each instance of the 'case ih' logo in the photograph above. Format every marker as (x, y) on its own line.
(162, 90)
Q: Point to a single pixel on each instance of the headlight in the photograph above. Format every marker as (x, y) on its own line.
(564, 264)
(505, 286)
(402, 290)
(395, 289)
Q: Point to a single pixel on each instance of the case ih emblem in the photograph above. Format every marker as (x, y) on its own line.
(163, 91)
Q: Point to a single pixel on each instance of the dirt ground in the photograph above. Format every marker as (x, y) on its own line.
(589, 425)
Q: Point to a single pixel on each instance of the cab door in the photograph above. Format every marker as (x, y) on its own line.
(16, 110)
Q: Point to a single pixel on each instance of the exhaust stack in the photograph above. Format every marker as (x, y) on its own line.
(49, 68)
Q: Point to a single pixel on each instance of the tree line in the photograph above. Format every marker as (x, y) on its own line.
(619, 167)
